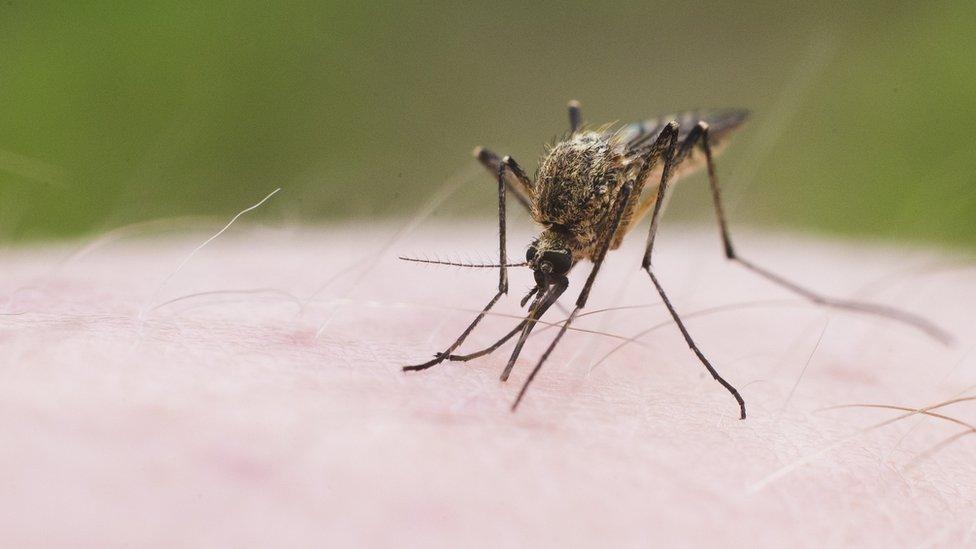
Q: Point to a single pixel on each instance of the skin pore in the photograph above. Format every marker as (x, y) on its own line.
(255, 398)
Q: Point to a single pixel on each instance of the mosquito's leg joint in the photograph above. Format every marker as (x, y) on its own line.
(575, 116)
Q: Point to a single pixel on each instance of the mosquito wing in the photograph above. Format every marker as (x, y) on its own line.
(635, 138)
(721, 123)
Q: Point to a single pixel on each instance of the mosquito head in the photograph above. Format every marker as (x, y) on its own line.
(549, 262)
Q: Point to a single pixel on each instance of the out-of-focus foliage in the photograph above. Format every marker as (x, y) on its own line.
(116, 113)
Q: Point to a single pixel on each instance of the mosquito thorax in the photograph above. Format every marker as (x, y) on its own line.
(578, 180)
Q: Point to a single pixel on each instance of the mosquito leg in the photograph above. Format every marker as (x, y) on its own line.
(502, 278)
(516, 179)
(646, 265)
(650, 154)
(491, 348)
(514, 332)
(623, 199)
(575, 117)
(539, 307)
(440, 357)
(516, 170)
(700, 135)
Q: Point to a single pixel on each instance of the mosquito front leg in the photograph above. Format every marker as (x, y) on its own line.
(646, 265)
(540, 305)
(489, 349)
(700, 136)
(502, 276)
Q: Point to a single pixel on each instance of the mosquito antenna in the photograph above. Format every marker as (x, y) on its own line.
(461, 264)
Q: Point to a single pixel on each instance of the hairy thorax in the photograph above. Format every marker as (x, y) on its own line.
(577, 185)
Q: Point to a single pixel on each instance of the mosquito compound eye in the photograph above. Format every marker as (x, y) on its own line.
(560, 261)
(530, 254)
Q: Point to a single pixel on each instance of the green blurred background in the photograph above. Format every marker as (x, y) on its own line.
(116, 113)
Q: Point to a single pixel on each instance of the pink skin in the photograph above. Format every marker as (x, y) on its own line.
(222, 420)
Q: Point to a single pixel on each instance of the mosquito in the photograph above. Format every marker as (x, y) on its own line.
(591, 189)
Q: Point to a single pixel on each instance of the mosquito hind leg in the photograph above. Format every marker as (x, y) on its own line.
(700, 136)
(502, 278)
(672, 154)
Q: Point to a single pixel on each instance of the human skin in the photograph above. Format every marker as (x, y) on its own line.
(266, 405)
